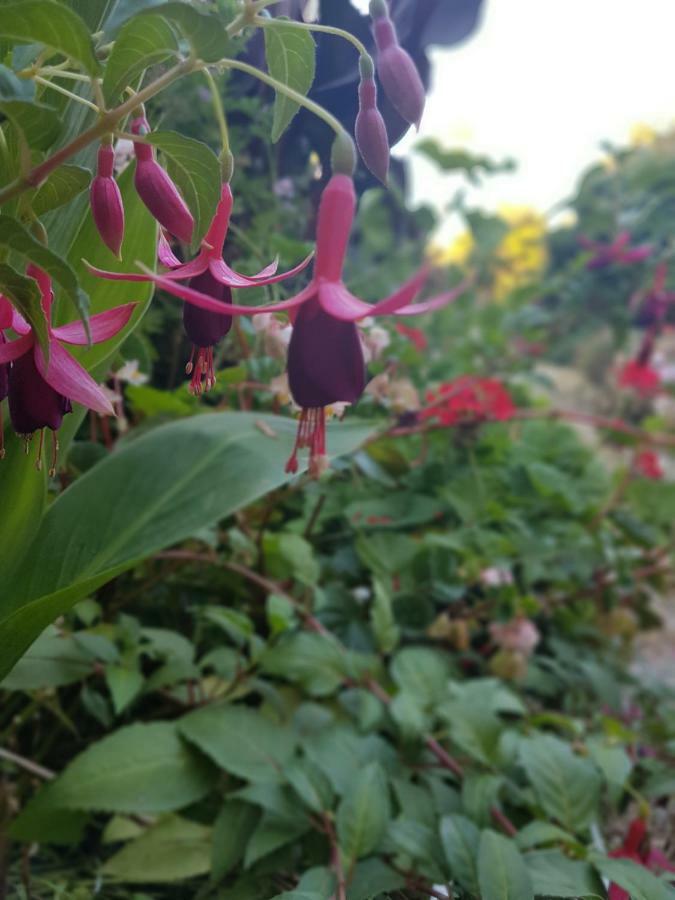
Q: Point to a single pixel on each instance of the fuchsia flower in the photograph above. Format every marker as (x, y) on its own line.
(468, 399)
(157, 190)
(105, 198)
(210, 276)
(325, 357)
(397, 71)
(369, 129)
(40, 393)
(639, 376)
(636, 848)
(618, 251)
(5, 322)
(648, 465)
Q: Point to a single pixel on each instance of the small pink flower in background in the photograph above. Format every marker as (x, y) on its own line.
(618, 251)
(40, 393)
(519, 634)
(636, 847)
(375, 341)
(493, 576)
(648, 464)
(469, 399)
(415, 335)
(640, 377)
(276, 335)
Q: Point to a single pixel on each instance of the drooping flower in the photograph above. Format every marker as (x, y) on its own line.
(369, 130)
(648, 465)
(105, 199)
(41, 392)
(640, 377)
(397, 71)
(157, 190)
(209, 275)
(5, 322)
(469, 400)
(325, 358)
(617, 251)
(637, 847)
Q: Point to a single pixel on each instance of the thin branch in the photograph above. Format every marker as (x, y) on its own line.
(27, 764)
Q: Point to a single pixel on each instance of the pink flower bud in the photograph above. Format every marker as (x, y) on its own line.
(370, 130)
(397, 71)
(157, 190)
(106, 201)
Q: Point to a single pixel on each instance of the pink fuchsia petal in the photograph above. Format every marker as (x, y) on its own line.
(165, 254)
(205, 302)
(658, 860)
(214, 239)
(14, 349)
(19, 324)
(103, 326)
(636, 255)
(435, 303)
(403, 296)
(6, 312)
(336, 300)
(222, 272)
(196, 266)
(115, 276)
(67, 376)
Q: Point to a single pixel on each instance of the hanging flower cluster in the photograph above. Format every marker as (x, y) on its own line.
(469, 400)
(41, 390)
(637, 847)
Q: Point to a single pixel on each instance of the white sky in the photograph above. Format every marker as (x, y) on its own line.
(544, 82)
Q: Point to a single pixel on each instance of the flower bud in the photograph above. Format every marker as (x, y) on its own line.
(370, 130)
(397, 71)
(157, 190)
(106, 201)
(343, 155)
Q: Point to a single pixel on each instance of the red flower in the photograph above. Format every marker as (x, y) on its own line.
(648, 464)
(469, 399)
(415, 335)
(618, 251)
(640, 377)
(636, 848)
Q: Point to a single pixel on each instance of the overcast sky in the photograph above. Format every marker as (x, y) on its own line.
(545, 81)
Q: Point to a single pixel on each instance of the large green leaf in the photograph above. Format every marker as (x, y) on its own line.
(241, 741)
(207, 38)
(52, 24)
(363, 814)
(555, 875)
(291, 59)
(60, 188)
(169, 851)
(138, 769)
(15, 237)
(196, 170)
(502, 874)
(144, 40)
(459, 837)
(153, 492)
(567, 786)
(635, 879)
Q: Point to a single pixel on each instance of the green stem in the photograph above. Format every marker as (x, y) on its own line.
(58, 73)
(282, 88)
(66, 93)
(105, 125)
(218, 110)
(309, 26)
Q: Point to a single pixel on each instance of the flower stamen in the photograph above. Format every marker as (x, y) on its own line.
(311, 436)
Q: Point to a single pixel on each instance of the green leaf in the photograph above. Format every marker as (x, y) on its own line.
(44, 821)
(52, 661)
(60, 188)
(139, 769)
(567, 786)
(502, 874)
(39, 124)
(555, 875)
(15, 237)
(232, 830)
(382, 620)
(310, 784)
(422, 672)
(124, 685)
(205, 34)
(171, 850)
(52, 24)
(271, 834)
(537, 833)
(144, 40)
(24, 293)
(240, 740)
(364, 813)
(196, 170)
(128, 507)
(373, 878)
(315, 661)
(637, 880)
(459, 838)
(613, 762)
(291, 58)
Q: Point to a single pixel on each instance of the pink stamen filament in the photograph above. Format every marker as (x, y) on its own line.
(203, 372)
(55, 454)
(311, 435)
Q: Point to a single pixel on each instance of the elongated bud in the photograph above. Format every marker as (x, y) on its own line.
(157, 191)
(397, 71)
(343, 155)
(107, 208)
(369, 129)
